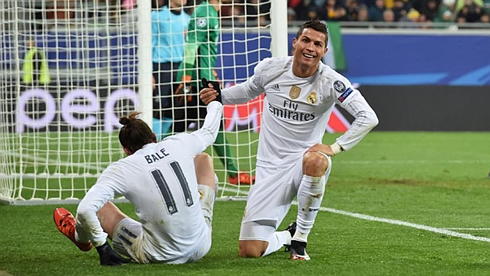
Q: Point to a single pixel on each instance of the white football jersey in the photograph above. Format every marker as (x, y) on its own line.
(160, 181)
(296, 110)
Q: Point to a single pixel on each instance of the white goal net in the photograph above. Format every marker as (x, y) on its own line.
(69, 69)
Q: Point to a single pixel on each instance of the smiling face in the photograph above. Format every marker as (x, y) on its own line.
(309, 48)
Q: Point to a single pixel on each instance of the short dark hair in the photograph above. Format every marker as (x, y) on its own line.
(316, 25)
(135, 133)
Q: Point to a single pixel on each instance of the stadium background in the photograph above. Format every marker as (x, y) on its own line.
(401, 203)
(416, 80)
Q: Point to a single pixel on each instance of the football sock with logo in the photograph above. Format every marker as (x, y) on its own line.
(224, 152)
(276, 241)
(310, 195)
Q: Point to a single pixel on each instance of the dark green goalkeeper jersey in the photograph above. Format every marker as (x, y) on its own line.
(201, 47)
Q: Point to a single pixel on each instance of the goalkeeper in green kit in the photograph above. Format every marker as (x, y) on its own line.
(200, 54)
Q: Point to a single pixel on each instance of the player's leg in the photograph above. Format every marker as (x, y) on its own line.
(268, 203)
(66, 224)
(110, 216)
(184, 112)
(128, 241)
(205, 170)
(207, 187)
(173, 103)
(161, 126)
(316, 168)
(259, 248)
(126, 233)
(162, 73)
(222, 148)
(255, 237)
(179, 119)
(111, 219)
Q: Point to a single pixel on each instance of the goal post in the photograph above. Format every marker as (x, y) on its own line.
(70, 69)
(145, 60)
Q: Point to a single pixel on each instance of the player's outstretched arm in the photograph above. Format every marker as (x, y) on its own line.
(210, 128)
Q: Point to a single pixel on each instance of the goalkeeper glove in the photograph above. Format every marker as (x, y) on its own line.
(184, 88)
(109, 256)
(216, 86)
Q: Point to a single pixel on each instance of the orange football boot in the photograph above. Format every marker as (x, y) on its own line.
(242, 178)
(65, 222)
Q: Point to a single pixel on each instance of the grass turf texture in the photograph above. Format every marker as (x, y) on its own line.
(432, 179)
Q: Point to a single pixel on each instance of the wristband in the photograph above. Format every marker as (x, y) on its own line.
(336, 148)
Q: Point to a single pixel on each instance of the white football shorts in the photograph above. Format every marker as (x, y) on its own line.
(270, 198)
(129, 238)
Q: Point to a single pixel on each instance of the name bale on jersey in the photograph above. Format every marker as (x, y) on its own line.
(159, 155)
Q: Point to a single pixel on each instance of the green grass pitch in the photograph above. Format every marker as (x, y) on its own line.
(399, 203)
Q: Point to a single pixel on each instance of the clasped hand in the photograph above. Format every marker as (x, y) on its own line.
(208, 94)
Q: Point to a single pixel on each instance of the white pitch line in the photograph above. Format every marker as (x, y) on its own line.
(444, 231)
(469, 229)
(403, 162)
(49, 160)
(355, 162)
(407, 224)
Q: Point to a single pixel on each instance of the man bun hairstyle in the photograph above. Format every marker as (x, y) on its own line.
(317, 25)
(135, 133)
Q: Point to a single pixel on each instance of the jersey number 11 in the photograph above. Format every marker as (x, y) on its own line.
(165, 190)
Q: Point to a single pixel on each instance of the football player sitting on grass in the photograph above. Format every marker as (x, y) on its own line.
(172, 186)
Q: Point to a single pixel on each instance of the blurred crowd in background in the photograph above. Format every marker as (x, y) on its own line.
(250, 13)
(459, 11)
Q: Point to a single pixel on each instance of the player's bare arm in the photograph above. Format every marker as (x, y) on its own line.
(208, 94)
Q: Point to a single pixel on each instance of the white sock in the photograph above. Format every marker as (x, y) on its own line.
(310, 195)
(207, 199)
(216, 182)
(276, 241)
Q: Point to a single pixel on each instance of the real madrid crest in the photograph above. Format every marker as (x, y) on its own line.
(294, 92)
(311, 98)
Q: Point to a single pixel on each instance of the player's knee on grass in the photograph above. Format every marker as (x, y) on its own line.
(252, 249)
(254, 236)
(315, 164)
